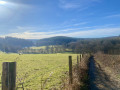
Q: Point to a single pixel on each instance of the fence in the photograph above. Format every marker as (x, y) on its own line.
(9, 75)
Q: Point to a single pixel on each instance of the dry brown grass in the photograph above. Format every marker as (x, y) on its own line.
(80, 76)
(109, 61)
(110, 65)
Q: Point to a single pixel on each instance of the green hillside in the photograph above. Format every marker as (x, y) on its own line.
(59, 40)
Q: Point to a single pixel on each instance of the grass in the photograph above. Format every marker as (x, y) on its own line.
(80, 76)
(36, 71)
(110, 64)
(109, 61)
(42, 47)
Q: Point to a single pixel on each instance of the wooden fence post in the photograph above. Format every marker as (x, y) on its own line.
(70, 70)
(80, 57)
(77, 61)
(9, 76)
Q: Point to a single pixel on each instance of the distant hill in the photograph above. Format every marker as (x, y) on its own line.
(11, 44)
(59, 40)
(106, 45)
(78, 45)
(109, 45)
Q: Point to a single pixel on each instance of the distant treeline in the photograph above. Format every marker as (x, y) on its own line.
(59, 40)
(60, 44)
(10, 44)
(109, 45)
(45, 50)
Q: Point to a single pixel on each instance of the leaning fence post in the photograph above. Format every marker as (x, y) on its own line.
(9, 76)
(70, 70)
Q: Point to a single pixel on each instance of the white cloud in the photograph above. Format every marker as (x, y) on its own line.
(76, 24)
(28, 35)
(83, 34)
(96, 33)
(72, 4)
(113, 16)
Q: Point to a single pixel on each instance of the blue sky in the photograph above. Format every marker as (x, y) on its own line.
(36, 19)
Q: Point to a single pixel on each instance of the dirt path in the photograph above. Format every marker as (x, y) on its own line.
(92, 74)
(99, 79)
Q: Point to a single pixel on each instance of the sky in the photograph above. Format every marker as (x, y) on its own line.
(37, 19)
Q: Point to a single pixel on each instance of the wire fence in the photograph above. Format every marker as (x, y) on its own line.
(35, 72)
(38, 73)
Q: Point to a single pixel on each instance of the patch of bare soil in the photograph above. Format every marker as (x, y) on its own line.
(102, 78)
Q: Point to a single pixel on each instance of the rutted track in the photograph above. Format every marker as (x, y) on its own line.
(99, 79)
(92, 75)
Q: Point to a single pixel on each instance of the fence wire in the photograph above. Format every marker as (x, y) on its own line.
(35, 72)
(38, 72)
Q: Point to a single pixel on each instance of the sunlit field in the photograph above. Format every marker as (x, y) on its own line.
(36, 71)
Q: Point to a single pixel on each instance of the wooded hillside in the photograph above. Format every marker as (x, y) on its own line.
(109, 45)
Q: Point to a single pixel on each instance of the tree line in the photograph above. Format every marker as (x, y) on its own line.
(106, 45)
(110, 45)
(10, 44)
(46, 50)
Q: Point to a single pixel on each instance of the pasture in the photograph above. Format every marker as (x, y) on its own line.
(36, 71)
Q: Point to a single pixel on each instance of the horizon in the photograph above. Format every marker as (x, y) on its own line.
(72, 18)
(62, 36)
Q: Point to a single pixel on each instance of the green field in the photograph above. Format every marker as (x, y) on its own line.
(36, 70)
(41, 47)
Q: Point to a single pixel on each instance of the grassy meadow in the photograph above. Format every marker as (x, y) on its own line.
(36, 71)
